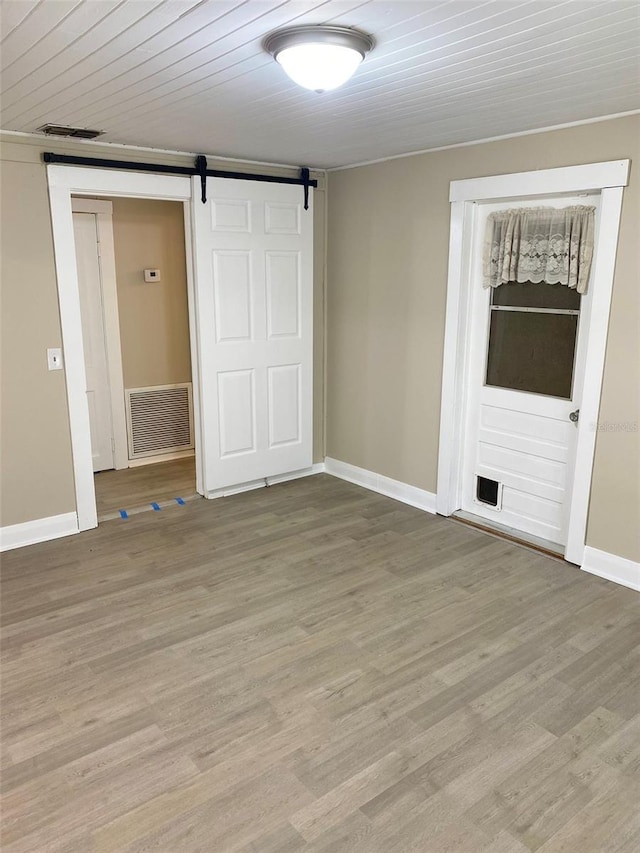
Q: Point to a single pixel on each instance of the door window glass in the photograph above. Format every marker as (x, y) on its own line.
(532, 338)
(530, 295)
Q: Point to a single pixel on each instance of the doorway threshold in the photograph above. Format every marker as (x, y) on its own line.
(152, 506)
(510, 534)
(129, 489)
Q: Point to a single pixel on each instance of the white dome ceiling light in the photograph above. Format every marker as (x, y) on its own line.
(319, 57)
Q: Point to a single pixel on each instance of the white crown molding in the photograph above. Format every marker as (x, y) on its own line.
(38, 530)
(419, 498)
(486, 139)
(42, 139)
(611, 567)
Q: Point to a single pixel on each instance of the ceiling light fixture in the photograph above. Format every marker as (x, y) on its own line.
(319, 57)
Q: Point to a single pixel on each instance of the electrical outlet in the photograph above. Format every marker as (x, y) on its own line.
(54, 358)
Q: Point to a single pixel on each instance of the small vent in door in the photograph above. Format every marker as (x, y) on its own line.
(159, 419)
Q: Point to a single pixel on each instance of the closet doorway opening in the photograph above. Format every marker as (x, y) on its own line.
(132, 278)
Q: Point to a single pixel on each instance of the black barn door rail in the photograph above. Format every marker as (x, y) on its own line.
(199, 168)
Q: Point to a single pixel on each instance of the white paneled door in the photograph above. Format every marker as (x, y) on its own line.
(254, 301)
(93, 335)
(526, 354)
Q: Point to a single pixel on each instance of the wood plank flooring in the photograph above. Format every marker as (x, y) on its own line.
(133, 487)
(314, 667)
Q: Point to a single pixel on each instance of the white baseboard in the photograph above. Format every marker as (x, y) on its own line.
(403, 492)
(612, 568)
(39, 530)
(160, 457)
(316, 468)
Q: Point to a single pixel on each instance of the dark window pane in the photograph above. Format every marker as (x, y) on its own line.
(532, 352)
(531, 295)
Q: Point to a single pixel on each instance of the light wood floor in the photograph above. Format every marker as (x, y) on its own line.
(314, 667)
(134, 487)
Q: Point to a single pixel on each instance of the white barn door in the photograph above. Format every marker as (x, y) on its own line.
(254, 304)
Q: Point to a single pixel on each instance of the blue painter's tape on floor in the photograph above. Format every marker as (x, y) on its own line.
(156, 507)
(180, 501)
(124, 513)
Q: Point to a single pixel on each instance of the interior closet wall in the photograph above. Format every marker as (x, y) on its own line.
(154, 318)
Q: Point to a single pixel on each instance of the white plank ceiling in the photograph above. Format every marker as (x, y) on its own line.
(192, 76)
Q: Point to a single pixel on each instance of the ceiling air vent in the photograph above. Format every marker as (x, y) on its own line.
(75, 132)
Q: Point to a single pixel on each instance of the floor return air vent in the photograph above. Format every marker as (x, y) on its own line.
(159, 419)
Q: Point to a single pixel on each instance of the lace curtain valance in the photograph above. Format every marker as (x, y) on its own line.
(539, 244)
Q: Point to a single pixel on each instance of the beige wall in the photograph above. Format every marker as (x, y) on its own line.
(37, 474)
(386, 290)
(154, 317)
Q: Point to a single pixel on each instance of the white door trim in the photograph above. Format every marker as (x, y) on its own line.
(567, 179)
(103, 211)
(609, 178)
(65, 181)
(602, 283)
(194, 343)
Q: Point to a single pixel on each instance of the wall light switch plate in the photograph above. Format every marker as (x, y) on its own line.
(54, 358)
(152, 275)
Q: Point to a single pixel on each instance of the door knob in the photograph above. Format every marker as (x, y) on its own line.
(573, 416)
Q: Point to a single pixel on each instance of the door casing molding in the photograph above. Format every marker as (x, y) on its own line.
(103, 211)
(65, 181)
(609, 178)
